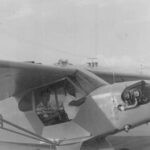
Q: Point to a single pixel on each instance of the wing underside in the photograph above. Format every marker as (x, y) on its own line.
(18, 78)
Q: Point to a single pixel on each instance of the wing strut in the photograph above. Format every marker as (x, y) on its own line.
(26, 133)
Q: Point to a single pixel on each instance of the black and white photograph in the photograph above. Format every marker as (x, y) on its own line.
(74, 75)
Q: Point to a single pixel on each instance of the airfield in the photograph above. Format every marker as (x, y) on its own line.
(130, 142)
(119, 143)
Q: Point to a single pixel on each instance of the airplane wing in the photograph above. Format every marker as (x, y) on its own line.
(116, 75)
(17, 78)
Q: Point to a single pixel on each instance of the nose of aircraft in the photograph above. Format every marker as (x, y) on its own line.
(136, 105)
(101, 113)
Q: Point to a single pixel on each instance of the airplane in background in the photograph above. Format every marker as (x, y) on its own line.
(68, 108)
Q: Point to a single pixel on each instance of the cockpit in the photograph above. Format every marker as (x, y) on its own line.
(49, 106)
(58, 102)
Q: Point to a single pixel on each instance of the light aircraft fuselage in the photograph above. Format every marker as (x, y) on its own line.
(67, 108)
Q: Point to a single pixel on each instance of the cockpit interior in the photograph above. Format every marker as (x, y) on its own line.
(58, 102)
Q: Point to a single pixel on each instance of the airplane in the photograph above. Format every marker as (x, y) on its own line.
(68, 108)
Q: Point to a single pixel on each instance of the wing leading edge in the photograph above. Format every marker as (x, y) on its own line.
(18, 78)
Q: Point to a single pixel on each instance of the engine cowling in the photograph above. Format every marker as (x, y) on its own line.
(116, 107)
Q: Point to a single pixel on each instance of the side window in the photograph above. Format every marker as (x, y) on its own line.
(55, 103)
(50, 106)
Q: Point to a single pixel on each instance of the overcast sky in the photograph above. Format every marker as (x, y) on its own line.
(115, 31)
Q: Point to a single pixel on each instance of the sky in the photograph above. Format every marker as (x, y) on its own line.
(117, 32)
